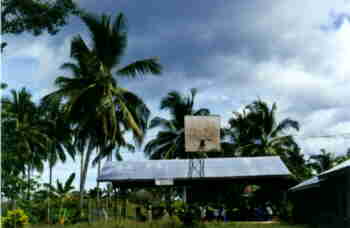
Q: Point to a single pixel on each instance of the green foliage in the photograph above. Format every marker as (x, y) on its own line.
(171, 223)
(2, 84)
(15, 219)
(11, 183)
(256, 132)
(100, 110)
(35, 16)
(170, 140)
(35, 210)
(286, 211)
(189, 214)
(323, 161)
(24, 138)
(63, 190)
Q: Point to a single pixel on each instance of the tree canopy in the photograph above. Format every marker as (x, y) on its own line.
(170, 140)
(35, 16)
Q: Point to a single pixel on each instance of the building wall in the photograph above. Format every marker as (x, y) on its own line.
(347, 199)
(326, 206)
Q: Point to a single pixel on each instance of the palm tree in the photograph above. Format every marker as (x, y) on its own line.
(61, 136)
(170, 141)
(238, 134)
(256, 132)
(22, 116)
(59, 132)
(3, 85)
(323, 161)
(261, 133)
(96, 104)
(63, 190)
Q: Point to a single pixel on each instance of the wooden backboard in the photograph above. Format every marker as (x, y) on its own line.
(202, 133)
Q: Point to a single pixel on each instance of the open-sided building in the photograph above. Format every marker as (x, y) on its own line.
(217, 172)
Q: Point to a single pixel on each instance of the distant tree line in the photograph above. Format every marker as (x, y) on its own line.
(91, 110)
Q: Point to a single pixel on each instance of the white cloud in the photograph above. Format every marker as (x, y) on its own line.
(276, 50)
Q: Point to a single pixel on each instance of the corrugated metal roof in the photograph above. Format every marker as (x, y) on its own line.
(339, 167)
(178, 168)
(317, 179)
(312, 182)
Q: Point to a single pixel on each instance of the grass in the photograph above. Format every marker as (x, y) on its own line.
(169, 224)
(252, 225)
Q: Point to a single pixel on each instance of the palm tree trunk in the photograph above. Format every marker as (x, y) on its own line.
(98, 172)
(49, 191)
(50, 174)
(84, 173)
(81, 178)
(23, 190)
(28, 182)
(98, 169)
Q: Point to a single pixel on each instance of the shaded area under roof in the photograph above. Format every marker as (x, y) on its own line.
(315, 181)
(177, 169)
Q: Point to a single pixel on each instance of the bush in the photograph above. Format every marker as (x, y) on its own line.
(188, 214)
(15, 219)
(286, 211)
(171, 222)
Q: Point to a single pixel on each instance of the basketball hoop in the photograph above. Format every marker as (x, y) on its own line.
(202, 135)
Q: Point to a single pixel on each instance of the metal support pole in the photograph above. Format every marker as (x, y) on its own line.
(196, 167)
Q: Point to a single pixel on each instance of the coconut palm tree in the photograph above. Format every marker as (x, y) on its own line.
(22, 116)
(62, 190)
(256, 132)
(238, 134)
(170, 141)
(323, 161)
(59, 131)
(261, 133)
(61, 136)
(99, 108)
(3, 85)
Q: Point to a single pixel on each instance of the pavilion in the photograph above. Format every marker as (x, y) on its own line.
(217, 172)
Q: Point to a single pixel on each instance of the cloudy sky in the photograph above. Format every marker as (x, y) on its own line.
(294, 53)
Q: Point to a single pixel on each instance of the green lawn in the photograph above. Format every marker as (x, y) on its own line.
(252, 225)
(169, 224)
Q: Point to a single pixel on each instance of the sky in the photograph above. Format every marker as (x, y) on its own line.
(294, 53)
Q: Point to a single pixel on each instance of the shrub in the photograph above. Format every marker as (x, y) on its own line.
(189, 214)
(15, 219)
(170, 222)
(286, 211)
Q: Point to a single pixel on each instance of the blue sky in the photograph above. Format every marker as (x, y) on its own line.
(294, 53)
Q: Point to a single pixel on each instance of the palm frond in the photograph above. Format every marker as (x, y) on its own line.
(161, 122)
(285, 125)
(68, 184)
(141, 67)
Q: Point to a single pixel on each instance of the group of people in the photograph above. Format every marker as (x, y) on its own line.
(260, 213)
(218, 214)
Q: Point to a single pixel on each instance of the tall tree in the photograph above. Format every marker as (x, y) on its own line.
(22, 116)
(257, 132)
(35, 16)
(323, 161)
(96, 104)
(170, 141)
(61, 135)
(60, 132)
(260, 131)
(62, 190)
